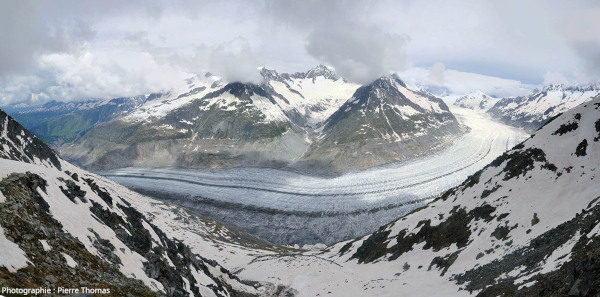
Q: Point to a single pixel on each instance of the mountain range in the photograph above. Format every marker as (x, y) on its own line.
(532, 111)
(312, 121)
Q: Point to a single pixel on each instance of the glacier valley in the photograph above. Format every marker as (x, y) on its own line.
(287, 207)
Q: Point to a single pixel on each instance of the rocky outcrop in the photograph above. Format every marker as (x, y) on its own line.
(26, 221)
(19, 144)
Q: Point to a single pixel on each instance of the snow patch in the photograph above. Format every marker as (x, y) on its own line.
(45, 245)
(13, 258)
(70, 262)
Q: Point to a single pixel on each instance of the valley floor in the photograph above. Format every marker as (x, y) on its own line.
(287, 208)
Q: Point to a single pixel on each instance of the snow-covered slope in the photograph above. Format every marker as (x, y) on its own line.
(308, 98)
(19, 144)
(234, 124)
(195, 88)
(289, 120)
(526, 224)
(62, 226)
(476, 101)
(212, 123)
(531, 112)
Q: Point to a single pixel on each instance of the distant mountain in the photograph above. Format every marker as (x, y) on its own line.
(476, 100)
(289, 120)
(525, 225)
(62, 226)
(219, 126)
(308, 98)
(532, 111)
(57, 122)
(382, 122)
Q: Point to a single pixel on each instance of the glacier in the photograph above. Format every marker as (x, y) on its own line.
(287, 207)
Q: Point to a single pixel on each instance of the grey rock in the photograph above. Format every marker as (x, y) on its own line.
(51, 279)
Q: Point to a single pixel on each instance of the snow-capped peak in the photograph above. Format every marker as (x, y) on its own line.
(324, 71)
(476, 100)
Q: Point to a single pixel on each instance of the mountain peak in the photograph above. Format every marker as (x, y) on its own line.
(319, 70)
(388, 81)
(269, 73)
(476, 100)
(478, 93)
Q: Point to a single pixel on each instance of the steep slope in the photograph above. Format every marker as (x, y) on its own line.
(526, 225)
(64, 227)
(382, 122)
(235, 124)
(19, 144)
(214, 124)
(308, 98)
(531, 112)
(195, 88)
(476, 101)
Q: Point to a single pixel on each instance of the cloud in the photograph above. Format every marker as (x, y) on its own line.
(460, 83)
(26, 34)
(436, 74)
(580, 27)
(47, 45)
(589, 52)
(98, 74)
(67, 50)
(556, 78)
(235, 61)
(338, 34)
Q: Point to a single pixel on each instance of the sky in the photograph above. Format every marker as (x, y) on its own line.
(77, 50)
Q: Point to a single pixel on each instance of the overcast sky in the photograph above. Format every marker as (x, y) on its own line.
(73, 50)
